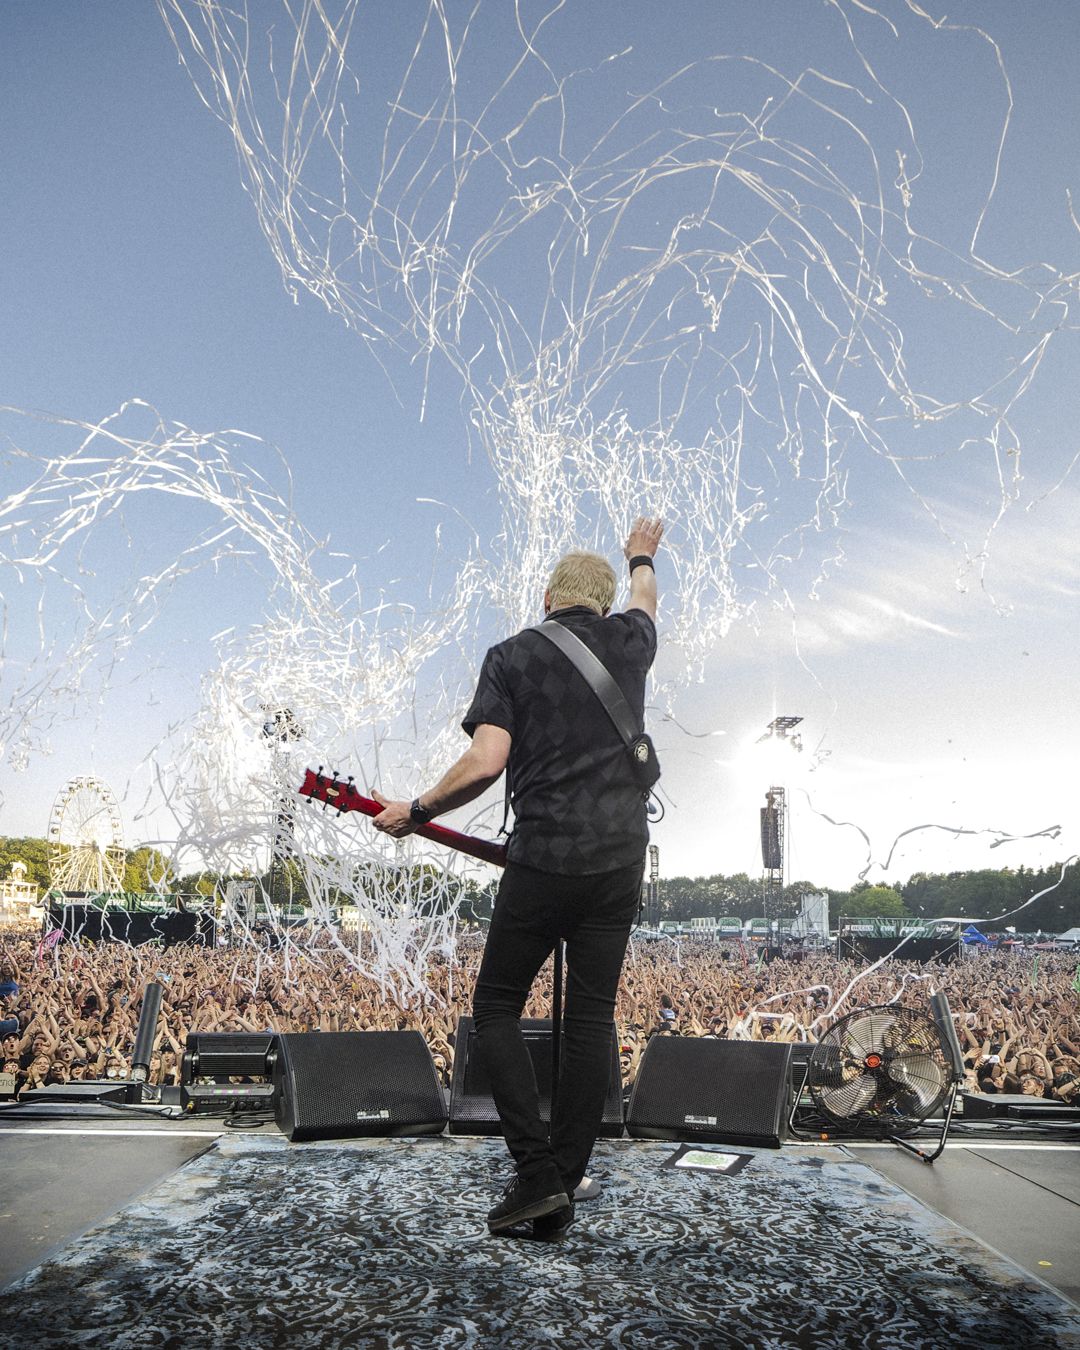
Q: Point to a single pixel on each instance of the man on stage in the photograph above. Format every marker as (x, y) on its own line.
(574, 861)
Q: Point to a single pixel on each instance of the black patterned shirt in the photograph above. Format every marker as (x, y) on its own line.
(576, 808)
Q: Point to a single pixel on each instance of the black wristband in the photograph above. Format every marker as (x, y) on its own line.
(419, 815)
(641, 559)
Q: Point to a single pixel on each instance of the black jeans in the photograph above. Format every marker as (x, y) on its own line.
(594, 915)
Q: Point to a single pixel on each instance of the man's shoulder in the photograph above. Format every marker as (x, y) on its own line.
(634, 619)
(635, 632)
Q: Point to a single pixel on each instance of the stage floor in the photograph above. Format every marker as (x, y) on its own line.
(115, 1232)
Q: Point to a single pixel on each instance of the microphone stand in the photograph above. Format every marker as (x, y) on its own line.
(588, 1188)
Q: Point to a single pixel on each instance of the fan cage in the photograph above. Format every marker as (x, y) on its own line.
(880, 1072)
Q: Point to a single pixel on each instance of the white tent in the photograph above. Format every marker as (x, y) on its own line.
(1073, 935)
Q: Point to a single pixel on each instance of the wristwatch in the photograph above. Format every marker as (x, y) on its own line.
(418, 814)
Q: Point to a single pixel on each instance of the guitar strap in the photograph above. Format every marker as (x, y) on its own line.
(595, 674)
(599, 680)
(644, 764)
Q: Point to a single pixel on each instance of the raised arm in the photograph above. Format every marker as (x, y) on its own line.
(642, 543)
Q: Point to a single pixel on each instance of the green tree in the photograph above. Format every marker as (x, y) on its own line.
(148, 869)
(869, 902)
(289, 887)
(200, 883)
(33, 852)
(967, 895)
(683, 898)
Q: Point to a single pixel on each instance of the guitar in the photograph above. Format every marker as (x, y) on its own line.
(343, 796)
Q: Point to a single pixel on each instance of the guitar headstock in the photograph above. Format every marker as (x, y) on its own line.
(332, 791)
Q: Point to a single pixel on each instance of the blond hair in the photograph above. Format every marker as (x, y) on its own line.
(582, 578)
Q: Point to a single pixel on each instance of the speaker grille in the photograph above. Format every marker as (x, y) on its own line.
(348, 1084)
(472, 1109)
(723, 1092)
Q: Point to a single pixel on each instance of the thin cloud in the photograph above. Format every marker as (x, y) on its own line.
(862, 618)
(902, 616)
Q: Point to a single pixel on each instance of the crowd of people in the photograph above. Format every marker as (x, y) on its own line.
(70, 1011)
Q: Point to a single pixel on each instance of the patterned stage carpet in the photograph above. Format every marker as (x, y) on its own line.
(382, 1243)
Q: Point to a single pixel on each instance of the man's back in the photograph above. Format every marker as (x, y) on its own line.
(577, 809)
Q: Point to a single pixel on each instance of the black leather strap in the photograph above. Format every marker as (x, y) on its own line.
(596, 673)
(420, 815)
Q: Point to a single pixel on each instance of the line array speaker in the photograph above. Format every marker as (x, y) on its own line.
(472, 1109)
(721, 1092)
(771, 854)
(348, 1084)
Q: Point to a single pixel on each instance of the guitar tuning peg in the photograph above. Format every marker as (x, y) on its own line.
(335, 775)
(351, 779)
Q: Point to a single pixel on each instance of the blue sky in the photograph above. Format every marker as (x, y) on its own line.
(133, 268)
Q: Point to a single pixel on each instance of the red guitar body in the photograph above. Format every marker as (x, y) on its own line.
(343, 796)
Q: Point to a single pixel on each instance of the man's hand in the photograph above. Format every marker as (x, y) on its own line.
(394, 818)
(644, 537)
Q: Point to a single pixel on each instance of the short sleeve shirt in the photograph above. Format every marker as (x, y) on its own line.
(577, 809)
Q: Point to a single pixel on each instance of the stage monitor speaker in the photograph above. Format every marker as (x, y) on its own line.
(348, 1084)
(472, 1109)
(719, 1092)
(1015, 1106)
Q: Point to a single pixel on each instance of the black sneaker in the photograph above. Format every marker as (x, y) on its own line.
(524, 1200)
(554, 1226)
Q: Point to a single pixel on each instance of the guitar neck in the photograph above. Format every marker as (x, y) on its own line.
(343, 796)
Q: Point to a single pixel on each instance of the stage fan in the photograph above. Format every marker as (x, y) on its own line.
(879, 1073)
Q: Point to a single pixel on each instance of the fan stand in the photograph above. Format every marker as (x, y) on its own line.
(928, 1158)
(839, 1136)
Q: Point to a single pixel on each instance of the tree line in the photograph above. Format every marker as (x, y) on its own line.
(975, 895)
(144, 867)
(972, 895)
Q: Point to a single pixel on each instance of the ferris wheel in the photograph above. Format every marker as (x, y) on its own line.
(86, 838)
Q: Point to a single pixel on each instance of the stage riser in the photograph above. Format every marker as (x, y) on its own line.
(1015, 1106)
